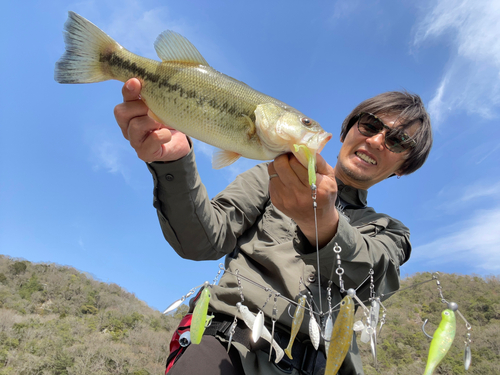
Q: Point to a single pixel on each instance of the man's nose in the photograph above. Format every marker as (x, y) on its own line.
(377, 141)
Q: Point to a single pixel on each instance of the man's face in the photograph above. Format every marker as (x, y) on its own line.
(364, 161)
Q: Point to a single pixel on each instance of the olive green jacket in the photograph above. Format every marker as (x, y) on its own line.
(262, 244)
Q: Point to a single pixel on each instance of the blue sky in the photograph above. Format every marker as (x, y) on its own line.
(73, 192)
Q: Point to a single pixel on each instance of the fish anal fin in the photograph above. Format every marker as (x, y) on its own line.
(173, 47)
(223, 158)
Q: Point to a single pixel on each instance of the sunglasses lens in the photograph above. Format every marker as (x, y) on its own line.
(395, 141)
(369, 126)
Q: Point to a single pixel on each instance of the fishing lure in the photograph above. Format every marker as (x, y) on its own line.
(341, 336)
(298, 316)
(442, 339)
(314, 334)
(232, 330)
(328, 332)
(311, 162)
(200, 318)
(258, 325)
(249, 320)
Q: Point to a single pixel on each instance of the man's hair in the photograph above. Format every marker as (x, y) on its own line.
(410, 109)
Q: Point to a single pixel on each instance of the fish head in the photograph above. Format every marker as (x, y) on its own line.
(281, 127)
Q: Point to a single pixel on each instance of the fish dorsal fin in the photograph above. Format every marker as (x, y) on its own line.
(223, 158)
(171, 46)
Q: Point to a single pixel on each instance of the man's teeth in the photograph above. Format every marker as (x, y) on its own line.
(366, 158)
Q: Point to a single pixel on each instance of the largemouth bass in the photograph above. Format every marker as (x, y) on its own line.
(184, 92)
(441, 340)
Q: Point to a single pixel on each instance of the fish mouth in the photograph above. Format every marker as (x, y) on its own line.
(315, 143)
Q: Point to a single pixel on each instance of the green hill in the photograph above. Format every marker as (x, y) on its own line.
(57, 320)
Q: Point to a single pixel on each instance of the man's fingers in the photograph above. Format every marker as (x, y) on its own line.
(131, 90)
(126, 112)
(151, 148)
(139, 128)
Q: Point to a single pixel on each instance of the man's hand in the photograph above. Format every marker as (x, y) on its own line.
(151, 140)
(291, 194)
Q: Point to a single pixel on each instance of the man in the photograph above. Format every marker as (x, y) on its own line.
(263, 223)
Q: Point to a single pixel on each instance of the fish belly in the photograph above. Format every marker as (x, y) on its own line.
(198, 101)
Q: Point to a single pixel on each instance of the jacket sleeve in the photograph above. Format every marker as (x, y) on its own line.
(196, 227)
(382, 245)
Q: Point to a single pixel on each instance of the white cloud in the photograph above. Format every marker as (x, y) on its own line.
(109, 155)
(474, 242)
(471, 78)
(453, 199)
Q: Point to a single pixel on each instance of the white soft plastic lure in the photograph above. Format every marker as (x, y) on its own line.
(249, 320)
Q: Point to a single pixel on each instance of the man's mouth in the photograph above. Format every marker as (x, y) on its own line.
(365, 157)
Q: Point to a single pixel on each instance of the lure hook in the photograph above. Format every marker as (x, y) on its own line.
(423, 329)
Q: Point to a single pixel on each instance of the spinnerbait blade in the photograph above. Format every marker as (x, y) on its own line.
(258, 325)
(467, 357)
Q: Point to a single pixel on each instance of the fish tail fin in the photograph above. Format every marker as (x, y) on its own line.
(85, 46)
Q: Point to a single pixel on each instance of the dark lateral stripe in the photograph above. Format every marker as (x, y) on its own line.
(163, 83)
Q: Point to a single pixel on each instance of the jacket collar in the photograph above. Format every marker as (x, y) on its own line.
(352, 196)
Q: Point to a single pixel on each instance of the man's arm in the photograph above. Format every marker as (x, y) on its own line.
(195, 226)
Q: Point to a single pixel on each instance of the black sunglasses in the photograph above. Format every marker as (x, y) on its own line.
(395, 140)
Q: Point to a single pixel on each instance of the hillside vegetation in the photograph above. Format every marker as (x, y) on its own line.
(57, 320)
(403, 348)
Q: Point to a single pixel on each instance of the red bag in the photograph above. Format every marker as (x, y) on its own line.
(175, 347)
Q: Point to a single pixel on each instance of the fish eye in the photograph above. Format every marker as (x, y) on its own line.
(306, 121)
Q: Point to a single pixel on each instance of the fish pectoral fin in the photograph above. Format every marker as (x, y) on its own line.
(251, 126)
(171, 47)
(223, 158)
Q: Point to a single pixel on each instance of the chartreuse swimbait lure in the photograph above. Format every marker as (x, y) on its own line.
(311, 162)
(298, 317)
(341, 336)
(200, 319)
(441, 340)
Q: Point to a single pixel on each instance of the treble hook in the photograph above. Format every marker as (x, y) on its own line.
(423, 329)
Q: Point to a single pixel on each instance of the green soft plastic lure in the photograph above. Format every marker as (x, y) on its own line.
(441, 340)
(311, 162)
(341, 336)
(298, 317)
(200, 318)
